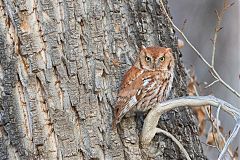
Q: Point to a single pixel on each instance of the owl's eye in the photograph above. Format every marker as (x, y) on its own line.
(148, 59)
(162, 58)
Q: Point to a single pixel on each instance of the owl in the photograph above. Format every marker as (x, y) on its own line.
(146, 83)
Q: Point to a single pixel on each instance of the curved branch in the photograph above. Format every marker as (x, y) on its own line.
(151, 121)
(158, 130)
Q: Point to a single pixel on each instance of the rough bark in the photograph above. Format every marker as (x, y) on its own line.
(61, 65)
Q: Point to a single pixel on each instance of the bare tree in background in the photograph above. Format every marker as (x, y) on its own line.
(61, 64)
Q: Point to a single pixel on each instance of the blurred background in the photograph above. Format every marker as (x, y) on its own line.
(200, 23)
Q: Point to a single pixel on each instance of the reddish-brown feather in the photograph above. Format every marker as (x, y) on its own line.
(129, 87)
(133, 90)
(131, 82)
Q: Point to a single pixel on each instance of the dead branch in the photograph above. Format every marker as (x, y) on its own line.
(151, 121)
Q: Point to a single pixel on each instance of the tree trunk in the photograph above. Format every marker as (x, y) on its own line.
(61, 65)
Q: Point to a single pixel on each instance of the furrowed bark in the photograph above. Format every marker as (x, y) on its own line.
(61, 66)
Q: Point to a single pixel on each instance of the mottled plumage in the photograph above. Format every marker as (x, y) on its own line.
(146, 83)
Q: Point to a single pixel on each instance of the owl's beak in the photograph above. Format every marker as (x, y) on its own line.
(154, 65)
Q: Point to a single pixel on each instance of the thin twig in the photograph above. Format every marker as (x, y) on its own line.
(212, 119)
(230, 139)
(215, 138)
(225, 84)
(219, 20)
(158, 130)
(213, 74)
(199, 54)
(218, 121)
(218, 27)
(217, 80)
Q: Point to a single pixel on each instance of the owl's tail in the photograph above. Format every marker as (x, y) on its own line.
(122, 108)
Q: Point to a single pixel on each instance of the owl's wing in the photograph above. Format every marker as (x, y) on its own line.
(129, 93)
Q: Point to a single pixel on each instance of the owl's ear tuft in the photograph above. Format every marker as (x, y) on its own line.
(169, 50)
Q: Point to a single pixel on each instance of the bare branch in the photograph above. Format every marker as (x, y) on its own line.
(212, 119)
(218, 27)
(218, 121)
(213, 73)
(212, 83)
(230, 139)
(151, 121)
(218, 17)
(225, 84)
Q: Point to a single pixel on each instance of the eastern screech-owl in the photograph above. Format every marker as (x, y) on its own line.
(146, 83)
